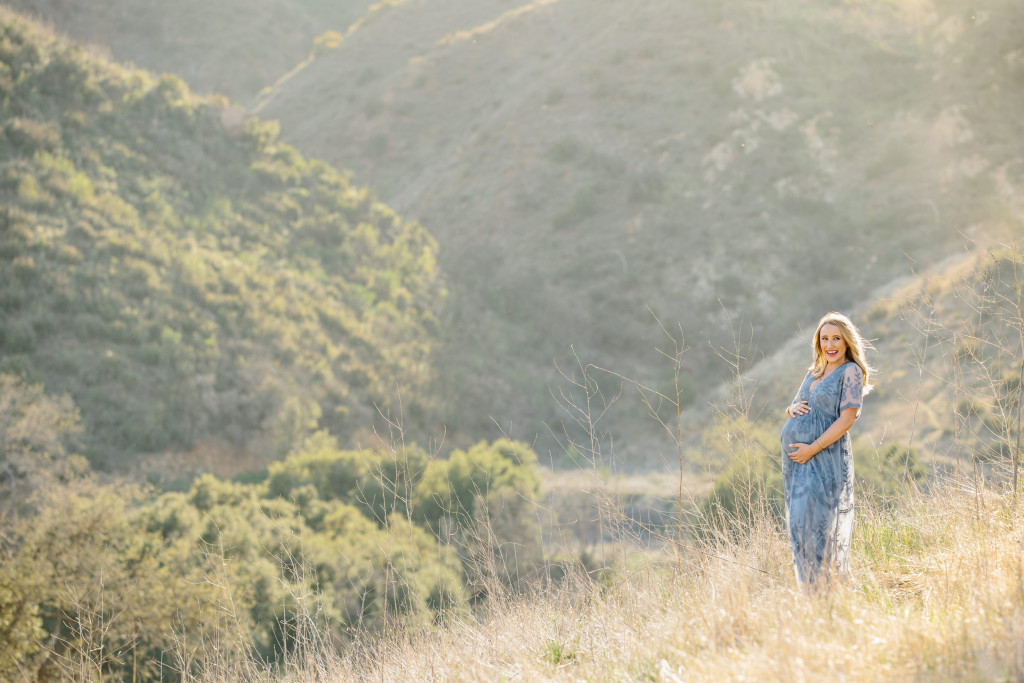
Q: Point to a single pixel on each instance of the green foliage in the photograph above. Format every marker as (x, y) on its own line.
(885, 472)
(480, 502)
(334, 474)
(35, 433)
(556, 653)
(887, 542)
(89, 593)
(584, 205)
(750, 484)
(181, 282)
(107, 581)
(454, 488)
(407, 483)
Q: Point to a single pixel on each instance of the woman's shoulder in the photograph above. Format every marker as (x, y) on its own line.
(852, 386)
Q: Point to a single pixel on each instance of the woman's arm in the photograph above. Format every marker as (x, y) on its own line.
(796, 406)
(804, 452)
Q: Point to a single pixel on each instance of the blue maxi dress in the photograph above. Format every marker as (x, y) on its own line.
(819, 493)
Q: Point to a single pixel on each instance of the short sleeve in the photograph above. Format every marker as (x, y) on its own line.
(853, 387)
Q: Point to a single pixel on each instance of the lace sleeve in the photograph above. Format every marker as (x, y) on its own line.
(853, 388)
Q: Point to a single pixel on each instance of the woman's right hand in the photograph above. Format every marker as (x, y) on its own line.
(798, 408)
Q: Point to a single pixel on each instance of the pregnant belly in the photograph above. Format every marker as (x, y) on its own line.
(800, 429)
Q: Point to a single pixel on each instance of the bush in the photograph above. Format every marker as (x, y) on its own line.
(584, 205)
(750, 487)
(454, 487)
(334, 473)
(17, 336)
(883, 473)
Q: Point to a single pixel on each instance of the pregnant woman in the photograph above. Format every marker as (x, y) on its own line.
(817, 463)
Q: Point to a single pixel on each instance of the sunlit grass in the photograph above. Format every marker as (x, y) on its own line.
(937, 592)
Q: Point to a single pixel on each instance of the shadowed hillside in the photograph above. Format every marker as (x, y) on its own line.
(184, 276)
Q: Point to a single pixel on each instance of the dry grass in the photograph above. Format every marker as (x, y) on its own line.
(938, 593)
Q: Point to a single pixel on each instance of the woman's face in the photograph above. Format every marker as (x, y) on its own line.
(830, 339)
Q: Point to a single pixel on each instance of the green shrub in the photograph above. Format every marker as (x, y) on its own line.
(335, 474)
(584, 205)
(883, 473)
(565, 150)
(749, 487)
(454, 487)
(28, 135)
(17, 336)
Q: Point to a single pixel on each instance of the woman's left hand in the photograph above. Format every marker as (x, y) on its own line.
(802, 454)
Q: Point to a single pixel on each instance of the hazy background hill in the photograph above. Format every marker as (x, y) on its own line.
(579, 161)
(234, 48)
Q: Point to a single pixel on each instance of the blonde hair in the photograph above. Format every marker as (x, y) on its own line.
(855, 347)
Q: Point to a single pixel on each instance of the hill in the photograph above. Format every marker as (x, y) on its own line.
(187, 281)
(234, 48)
(581, 161)
(915, 608)
(190, 281)
(947, 354)
(718, 162)
(876, 131)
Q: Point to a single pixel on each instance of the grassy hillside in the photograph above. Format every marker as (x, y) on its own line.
(360, 564)
(936, 595)
(947, 351)
(579, 161)
(187, 278)
(935, 591)
(234, 48)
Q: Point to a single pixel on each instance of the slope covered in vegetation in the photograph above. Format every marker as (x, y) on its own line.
(936, 586)
(579, 160)
(101, 580)
(185, 276)
(354, 564)
(235, 47)
(936, 594)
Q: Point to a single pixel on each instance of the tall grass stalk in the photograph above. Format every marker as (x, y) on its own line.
(938, 593)
(937, 587)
